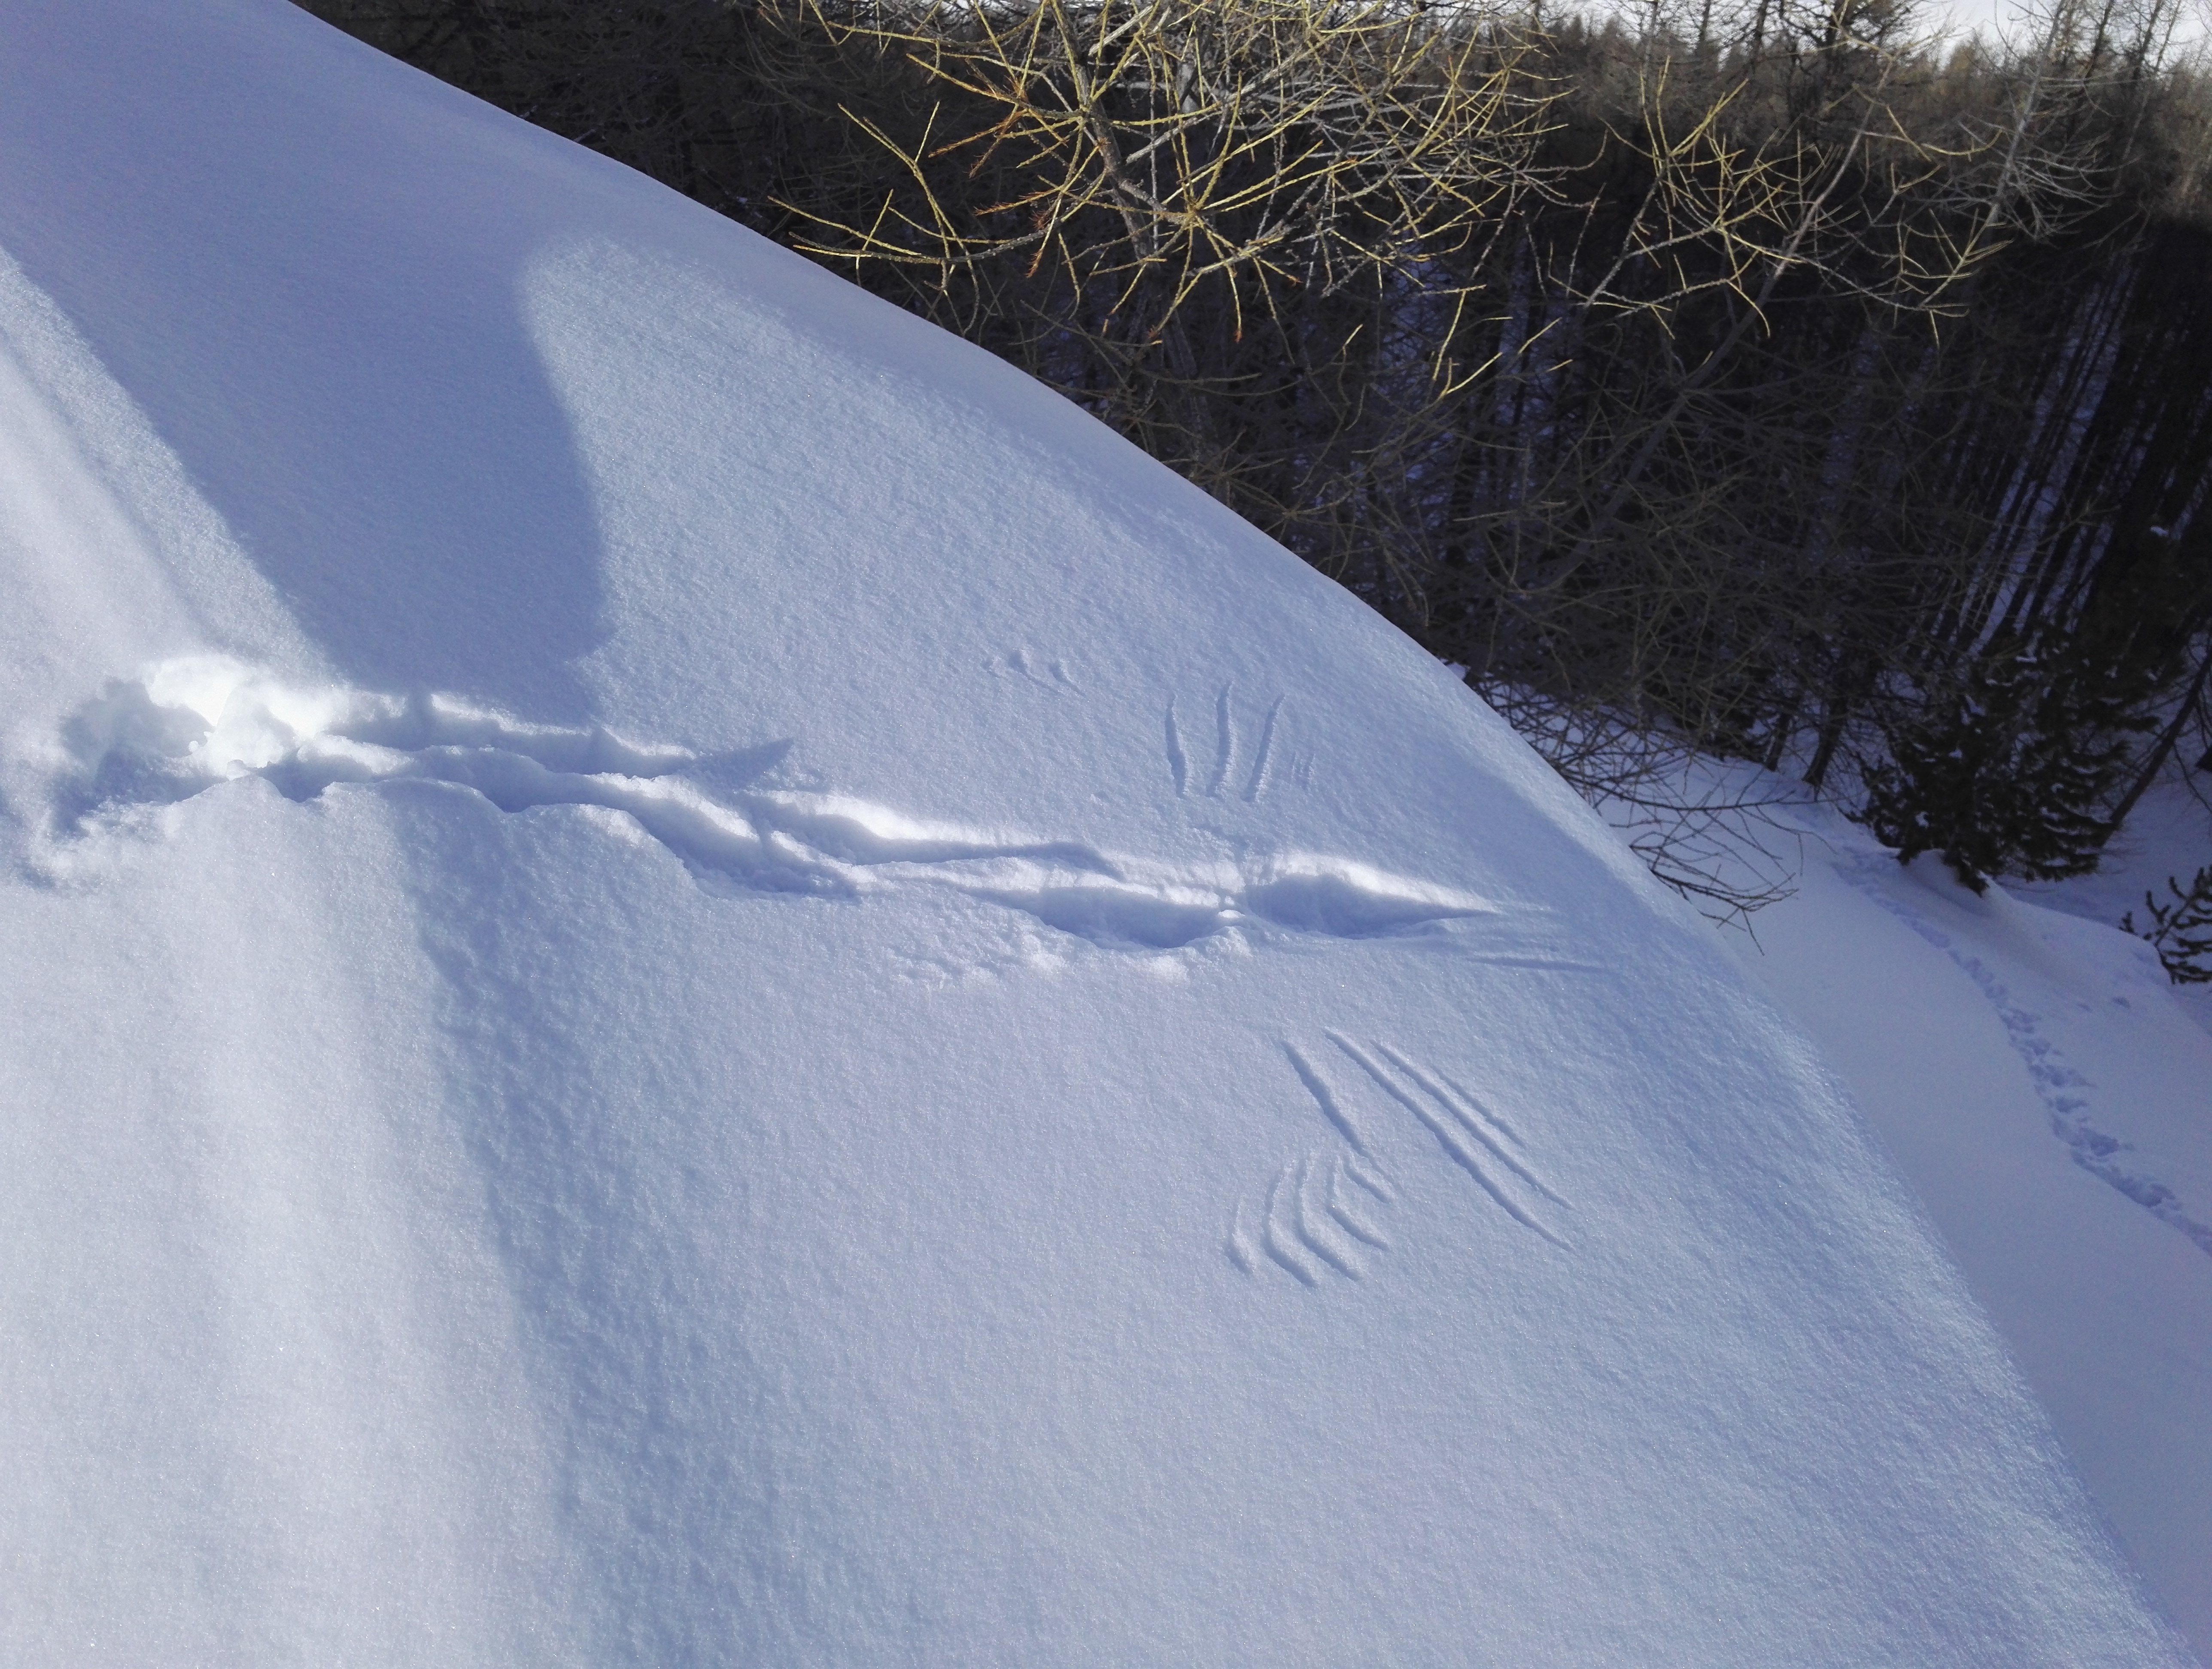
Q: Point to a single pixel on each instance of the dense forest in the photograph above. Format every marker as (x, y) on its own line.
(1739, 377)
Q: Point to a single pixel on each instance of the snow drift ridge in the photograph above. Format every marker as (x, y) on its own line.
(190, 722)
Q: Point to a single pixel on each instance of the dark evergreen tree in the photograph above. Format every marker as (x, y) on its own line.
(2007, 769)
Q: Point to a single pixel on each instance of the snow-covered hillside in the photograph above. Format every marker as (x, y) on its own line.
(2035, 1078)
(692, 978)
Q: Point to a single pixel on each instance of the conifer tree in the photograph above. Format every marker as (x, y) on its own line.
(2007, 771)
(2180, 932)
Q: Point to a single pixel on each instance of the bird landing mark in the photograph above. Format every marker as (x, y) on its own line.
(1231, 776)
(190, 725)
(1311, 1223)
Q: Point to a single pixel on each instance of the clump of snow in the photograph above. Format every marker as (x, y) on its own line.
(694, 979)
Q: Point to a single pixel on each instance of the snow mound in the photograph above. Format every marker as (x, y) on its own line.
(694, 979)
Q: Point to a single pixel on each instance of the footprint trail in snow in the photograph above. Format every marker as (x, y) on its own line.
(2057, 1085)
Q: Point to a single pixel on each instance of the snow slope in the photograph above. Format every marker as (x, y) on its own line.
(2166, 839)
(2035, 1078)
(693, 979)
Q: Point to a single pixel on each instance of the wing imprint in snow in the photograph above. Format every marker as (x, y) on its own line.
(1373, 1181)
(1258, 786)
(1312, 1220)
(1467, 1134)
(1316, 1229)
(1223, 782)
(1178, 762)
(1353, 1224)
(1317, 1087)
(1239, 1244)
(1306, 1225)
(191, 725)
(1225, 726)
(1281, 1245)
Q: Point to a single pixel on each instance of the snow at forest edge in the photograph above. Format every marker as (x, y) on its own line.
(688, 977)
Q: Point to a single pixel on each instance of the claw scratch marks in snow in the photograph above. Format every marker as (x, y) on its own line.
(1178, 766)
(1449, 1133)
(1273, 1241)
(1467, 1120)
(1318, 1088)
(1353, 1225)
(1239, 1244)
(1225, 725)
(1258, 784)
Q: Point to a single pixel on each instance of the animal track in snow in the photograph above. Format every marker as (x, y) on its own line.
(1310, 1223)
(193, 724)
(2056, 1081)
(1230, 775)
(1304, 1238)
(1052, 674)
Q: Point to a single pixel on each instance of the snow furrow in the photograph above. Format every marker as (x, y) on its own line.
(1449, 1138)
(188, 726)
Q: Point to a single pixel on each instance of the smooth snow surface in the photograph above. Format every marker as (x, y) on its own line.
(693, 980)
